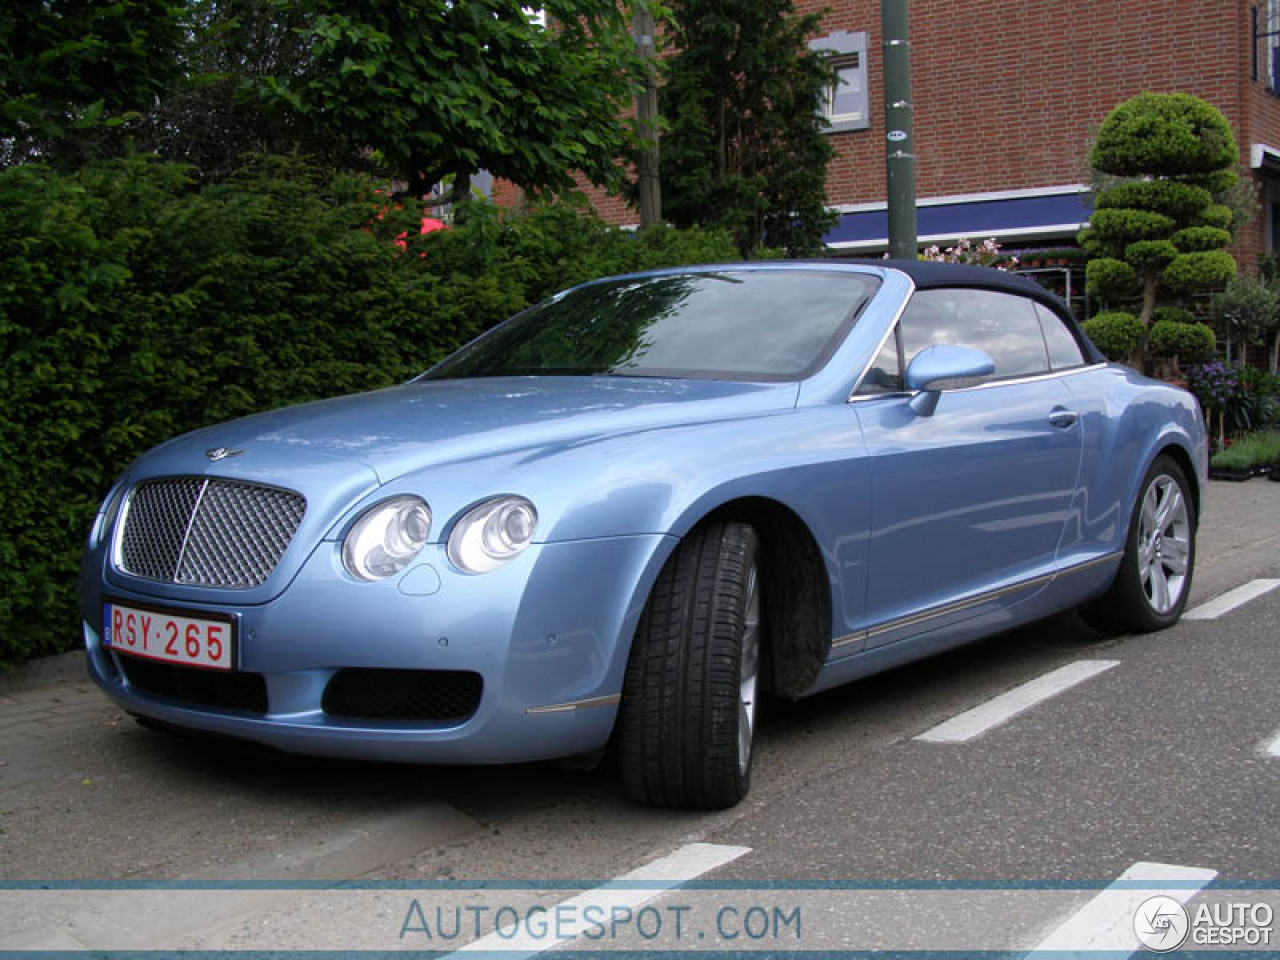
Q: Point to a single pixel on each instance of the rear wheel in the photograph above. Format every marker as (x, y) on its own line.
(1150, 590)
(687, 729)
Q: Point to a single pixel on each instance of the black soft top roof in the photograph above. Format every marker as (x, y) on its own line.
(930, 274)
(935, 273)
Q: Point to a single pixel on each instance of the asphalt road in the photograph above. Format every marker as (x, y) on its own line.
(1161, 756)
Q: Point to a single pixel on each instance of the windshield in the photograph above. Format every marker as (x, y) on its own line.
(727, 325)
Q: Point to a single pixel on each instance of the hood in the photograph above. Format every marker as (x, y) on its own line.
(336, 452)
(401, 429)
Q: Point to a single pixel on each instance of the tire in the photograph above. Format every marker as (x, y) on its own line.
(686, 731)
(1151, 588)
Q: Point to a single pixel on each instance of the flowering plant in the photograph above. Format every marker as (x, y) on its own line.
(1224, 395)
(1215, 383)
(985, 254)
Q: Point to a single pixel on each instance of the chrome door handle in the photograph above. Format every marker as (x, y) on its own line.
(1063, 418)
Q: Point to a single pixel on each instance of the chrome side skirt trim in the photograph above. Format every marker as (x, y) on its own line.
(572, 705)
(976, 600)
(849, 638)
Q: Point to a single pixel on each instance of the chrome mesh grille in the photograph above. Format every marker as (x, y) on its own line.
(156, 525)
(207, 532)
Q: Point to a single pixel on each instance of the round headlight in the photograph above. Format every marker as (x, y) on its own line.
(492, 534)
(387, 538)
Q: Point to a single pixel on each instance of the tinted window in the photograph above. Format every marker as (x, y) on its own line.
(885, 373)
(1002, 325)
(1064, 351)
(751, 325)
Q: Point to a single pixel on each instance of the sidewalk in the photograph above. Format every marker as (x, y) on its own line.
(44, 725)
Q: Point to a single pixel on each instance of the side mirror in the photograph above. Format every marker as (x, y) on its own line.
(935, 365)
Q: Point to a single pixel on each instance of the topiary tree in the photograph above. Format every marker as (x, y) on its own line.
(1177, 337)
(1159, 229)
(1116, 333)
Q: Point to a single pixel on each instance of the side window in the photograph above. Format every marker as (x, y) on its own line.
(885, 373)
(1002, 325)
(1064, 351)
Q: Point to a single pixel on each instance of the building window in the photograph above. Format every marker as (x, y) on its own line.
(1266, 44)
(845, 102)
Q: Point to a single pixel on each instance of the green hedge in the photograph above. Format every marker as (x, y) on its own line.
(135, 305)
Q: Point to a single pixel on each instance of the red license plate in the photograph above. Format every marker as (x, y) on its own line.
(196, 641)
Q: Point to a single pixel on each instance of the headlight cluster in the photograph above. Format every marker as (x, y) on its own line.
(389, 535)
(492, 533)
(387, 538)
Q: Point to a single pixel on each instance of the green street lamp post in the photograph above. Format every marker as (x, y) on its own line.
(899, 145)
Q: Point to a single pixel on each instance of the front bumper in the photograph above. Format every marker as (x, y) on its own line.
(548, 636)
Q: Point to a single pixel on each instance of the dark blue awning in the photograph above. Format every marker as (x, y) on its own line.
(1011, 218)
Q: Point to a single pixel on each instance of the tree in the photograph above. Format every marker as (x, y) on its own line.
(212, 117)
(1249, 308)
(444, 88)
(745, 149)
(1159, 228)
(68, 67)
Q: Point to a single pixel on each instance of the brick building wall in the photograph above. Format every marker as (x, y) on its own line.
(1007, 94)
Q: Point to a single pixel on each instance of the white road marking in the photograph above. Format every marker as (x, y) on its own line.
(1106, 921)
(1272, 749)
(633, 890)
(998, 710)
(1230, 600)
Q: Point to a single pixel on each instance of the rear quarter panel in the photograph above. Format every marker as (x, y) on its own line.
(1129, 420)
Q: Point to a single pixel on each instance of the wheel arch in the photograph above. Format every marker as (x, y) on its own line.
(1179, 455)
(797, 593)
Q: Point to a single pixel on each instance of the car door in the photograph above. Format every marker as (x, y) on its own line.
(969, 503)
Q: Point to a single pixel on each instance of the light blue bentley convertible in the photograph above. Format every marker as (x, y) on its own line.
(631, 511)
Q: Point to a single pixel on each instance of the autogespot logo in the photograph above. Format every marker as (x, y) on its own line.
(1161, 924)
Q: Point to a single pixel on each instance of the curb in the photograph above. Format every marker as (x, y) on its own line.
(45, 672)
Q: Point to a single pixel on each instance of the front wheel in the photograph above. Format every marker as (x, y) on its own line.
(687, 728)
(1150, 591)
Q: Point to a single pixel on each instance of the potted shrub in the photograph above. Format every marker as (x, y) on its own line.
(1232, 464)
(1256, 454)
(1062, 256)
